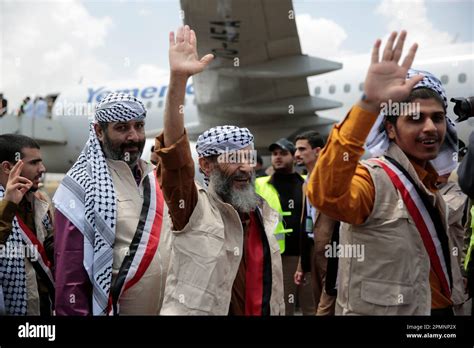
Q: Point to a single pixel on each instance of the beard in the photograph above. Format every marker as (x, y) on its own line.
(243, 200)
(117, 151)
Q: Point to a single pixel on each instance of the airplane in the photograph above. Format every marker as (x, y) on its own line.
(260, 79)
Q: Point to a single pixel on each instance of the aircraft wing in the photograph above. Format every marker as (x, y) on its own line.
(258, 78)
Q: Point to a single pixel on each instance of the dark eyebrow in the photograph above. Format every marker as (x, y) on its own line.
(35, 160)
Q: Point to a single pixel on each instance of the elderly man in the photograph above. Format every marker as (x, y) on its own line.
(26, 230)
(224, 258)
(111, 252)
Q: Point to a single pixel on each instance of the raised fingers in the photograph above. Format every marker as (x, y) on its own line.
(397, 52)
(408, 61)
(180, 35)
(186, 33)
(388, 51)
(375, 51)
(192, 38)
(16, 170)
(171, 38)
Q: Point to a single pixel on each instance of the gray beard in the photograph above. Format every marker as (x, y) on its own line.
(244, 200)
(118, 155)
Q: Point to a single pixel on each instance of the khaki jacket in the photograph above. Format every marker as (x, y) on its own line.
(206, 255)
(392, 277)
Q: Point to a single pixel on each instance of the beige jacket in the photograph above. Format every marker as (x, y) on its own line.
(392, 277)
(205, 258)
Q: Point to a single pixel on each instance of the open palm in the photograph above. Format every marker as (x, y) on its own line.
(386, 79)
(183, 55)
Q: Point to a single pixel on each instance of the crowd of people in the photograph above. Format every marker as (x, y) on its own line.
(385, 235)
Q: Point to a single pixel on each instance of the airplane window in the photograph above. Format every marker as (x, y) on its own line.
(317, 90)
(332, 89)
(462, 78)
(361, 86)
(347, 88)
(444, 79)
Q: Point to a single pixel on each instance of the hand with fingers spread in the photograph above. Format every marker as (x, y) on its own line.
(183, 55)
(386, 79)
(17, 185)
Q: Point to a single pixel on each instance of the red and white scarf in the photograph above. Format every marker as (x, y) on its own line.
(144, 244)
(23, 243)
(422, 214)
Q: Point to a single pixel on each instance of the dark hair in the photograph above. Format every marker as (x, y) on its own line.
(12, 144)
(314, 138)
(418, 93)
(103, 126)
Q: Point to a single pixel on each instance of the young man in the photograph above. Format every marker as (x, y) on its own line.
(26, 230)
(283, 191)
(319, 229)
(390, 205)
(224, 257)
(111, 242)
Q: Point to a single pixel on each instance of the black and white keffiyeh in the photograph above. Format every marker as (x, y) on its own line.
(378, 142)
(87, 198)
(12, 274)
(12, 267)
(223, 139)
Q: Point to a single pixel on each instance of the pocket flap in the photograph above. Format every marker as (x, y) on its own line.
(386, 293)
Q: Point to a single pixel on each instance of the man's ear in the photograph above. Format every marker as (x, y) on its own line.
(317, 150)
(6, 167)
(390, 129)
(206, 165)
(99, 132)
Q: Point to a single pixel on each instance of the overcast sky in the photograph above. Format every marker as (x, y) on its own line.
(47, 46)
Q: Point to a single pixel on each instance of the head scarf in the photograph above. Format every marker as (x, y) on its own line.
(222, 139)
(89, 184)
(378, 142)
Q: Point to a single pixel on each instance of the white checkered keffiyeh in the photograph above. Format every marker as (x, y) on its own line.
(12, 270)
(86, 197)
(222, 139)
(378, 142)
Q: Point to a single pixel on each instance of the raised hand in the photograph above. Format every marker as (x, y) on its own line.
(17, 185)
(386, 79)
(184, 60)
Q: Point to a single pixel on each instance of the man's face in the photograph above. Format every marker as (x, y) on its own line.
(304, 154)
(123, 141)
(420, 136)
(33, 168)
(234, 180)
(282, 160)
